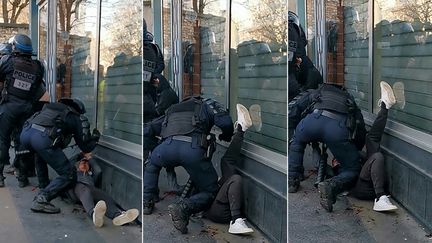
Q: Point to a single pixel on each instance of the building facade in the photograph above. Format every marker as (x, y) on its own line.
(360, 43)
(235, 51)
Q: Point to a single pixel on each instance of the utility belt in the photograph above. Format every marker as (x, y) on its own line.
(331, 115)
(53, 133)
(207, 142)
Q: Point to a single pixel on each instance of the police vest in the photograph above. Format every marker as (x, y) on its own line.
(333, 99)
(184, 119)
(150, 58)
(25, 78)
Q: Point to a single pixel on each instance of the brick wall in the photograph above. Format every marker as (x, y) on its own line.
(335, 60)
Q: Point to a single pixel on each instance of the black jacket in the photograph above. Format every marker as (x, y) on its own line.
(166, 96)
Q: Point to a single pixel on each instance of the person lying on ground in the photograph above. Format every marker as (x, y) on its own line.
(88, 174)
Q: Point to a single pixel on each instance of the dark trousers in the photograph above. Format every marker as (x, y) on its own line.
(172, 153)
(89, 195)
(318, 128)
(227, 204)
(12, 115)
(39, 142)
(371, 182)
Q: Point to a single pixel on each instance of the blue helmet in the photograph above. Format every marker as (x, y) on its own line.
(21, 43)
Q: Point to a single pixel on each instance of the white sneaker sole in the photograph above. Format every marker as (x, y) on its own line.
(244, 232)
(243, 111)
(384, 209)
(388, 89)
(128, 217)
(99, 213)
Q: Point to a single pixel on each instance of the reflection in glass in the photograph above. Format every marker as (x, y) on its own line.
(120, 60)
(203, 38)
(403, 56)
(76, 62)
(259, 67)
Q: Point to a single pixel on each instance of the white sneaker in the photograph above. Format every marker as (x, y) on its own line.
(255, 114)
(126, 217)
(239, 227)
(387, 95)
(383, 204)
(99, 213)
(243, 117)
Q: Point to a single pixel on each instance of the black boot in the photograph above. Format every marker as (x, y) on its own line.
(293, 184)
(327, 191)
(148, 206)
(2, 183)
(41, 205)
(180, 216)
(23, 182)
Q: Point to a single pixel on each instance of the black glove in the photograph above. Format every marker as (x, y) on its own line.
(96, 135)
(224, 137)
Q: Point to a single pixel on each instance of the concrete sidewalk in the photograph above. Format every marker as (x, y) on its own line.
(352, 220)
(158, 228)
(19, 224)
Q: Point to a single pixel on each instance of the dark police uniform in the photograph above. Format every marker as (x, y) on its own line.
(184, 129)
(47, 133)
(296, 49)
(333, 119)
(23, 85)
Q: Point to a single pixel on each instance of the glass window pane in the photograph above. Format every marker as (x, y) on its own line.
(166, 19)
(203, 39)
(258, 74)
(76, 53)
(347, 39)
(402, 58)
(43, 28)
(120, 70)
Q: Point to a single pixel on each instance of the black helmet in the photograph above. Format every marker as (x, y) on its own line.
(293, 18)
(21, 43)
(74, 103)
(5, 49)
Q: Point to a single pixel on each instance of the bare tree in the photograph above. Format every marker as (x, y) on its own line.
(12, 10)
(199, 5)
(270, 23)
(66, 8)
(414, 9)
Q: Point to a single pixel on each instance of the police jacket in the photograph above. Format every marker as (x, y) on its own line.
(153, 60)
(296, 45)
(64, 122)
(149, 102)
(22, 77)
(333, 98)
(166, 96)
(192, 117)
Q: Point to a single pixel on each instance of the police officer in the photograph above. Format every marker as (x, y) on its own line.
(47, 133)
(332, 118)
(21, 77)
(184, 130)
(296, 49)
(153, 57)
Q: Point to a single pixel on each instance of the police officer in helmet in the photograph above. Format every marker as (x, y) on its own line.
(22, 85)
(331, 116)
(184, 130)
(47, 133)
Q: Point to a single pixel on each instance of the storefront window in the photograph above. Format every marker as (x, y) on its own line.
(258, 73)
(352, 63)
(76, 53)
(166, 23)
(120, 68)
(403, 57)
(43, 28)
(203, 39)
